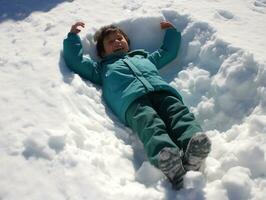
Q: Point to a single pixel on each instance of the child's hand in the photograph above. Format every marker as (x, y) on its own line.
(166, 24)
(76, 27)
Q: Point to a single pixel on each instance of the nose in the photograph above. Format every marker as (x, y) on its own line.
(117, 43)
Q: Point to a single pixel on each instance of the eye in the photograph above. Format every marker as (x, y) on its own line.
(110, 41)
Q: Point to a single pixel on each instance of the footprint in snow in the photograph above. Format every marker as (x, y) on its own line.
(224, 15)
(259, 6)
(43, 146)
(260, 3)
(132, 5)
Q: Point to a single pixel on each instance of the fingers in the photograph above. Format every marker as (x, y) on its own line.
(166, 24)
(80, 24)
(76, 27)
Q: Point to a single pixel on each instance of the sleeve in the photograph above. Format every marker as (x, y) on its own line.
(74, 59)
(169, 49)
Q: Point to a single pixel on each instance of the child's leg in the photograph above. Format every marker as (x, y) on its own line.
(182, 128)
(150, 128)
(181, 124)
(161, 150)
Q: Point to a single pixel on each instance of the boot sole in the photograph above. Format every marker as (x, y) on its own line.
(198, 149)
(170, 163)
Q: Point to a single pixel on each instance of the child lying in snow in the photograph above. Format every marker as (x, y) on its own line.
(141, 99)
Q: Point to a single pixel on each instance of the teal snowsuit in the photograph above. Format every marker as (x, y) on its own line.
(128, 77)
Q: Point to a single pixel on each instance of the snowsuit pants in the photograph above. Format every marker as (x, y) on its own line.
(161, 120)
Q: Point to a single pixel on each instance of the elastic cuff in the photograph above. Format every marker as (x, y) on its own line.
(72, 35)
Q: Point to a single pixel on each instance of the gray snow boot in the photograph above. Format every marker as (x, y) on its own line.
(170, 163)
(198, 149)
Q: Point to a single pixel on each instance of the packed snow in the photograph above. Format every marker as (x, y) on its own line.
(60, 141)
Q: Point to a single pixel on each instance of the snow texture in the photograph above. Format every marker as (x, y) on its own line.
(60, 141)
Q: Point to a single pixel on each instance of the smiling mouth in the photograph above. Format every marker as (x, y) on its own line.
(119, 49)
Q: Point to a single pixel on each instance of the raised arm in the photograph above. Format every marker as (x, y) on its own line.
(73, 55)
(169, 49)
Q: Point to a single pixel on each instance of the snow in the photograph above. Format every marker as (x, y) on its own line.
(60, 141)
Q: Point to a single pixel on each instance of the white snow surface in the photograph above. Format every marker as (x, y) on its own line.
(59, 141)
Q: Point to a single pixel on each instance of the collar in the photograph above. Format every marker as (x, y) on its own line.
(138, 52)
(117, 55)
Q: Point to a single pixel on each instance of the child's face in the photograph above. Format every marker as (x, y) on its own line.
(115, 42)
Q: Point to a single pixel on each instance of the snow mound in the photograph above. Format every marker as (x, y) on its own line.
(60, 141)
(222, 84)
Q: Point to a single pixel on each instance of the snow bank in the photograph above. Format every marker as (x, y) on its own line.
(60, 141)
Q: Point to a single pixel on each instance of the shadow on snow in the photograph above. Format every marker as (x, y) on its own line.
(18, 10)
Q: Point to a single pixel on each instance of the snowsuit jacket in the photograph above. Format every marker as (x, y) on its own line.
(124, 77)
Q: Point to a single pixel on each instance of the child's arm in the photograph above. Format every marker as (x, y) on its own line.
(169, 49)
(73, 55)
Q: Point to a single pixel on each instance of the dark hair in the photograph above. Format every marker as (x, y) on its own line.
(102, 33)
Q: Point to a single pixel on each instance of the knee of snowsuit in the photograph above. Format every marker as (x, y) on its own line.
(161, 120)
